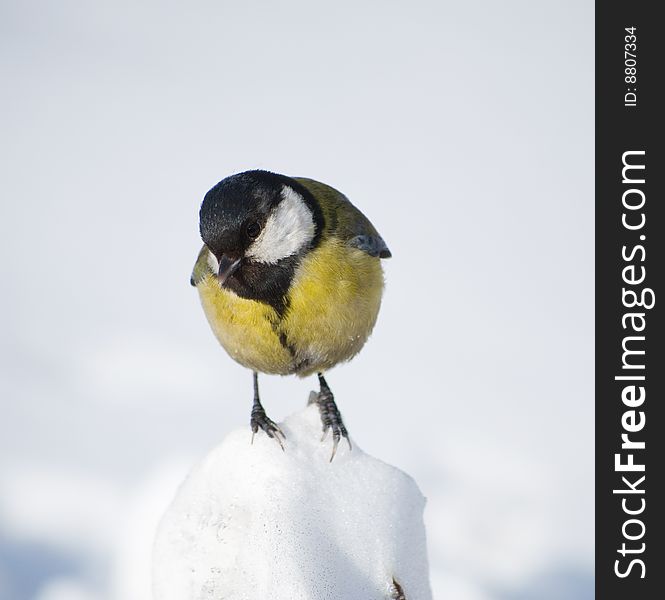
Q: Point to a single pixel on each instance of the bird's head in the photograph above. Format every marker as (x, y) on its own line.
(256, 224)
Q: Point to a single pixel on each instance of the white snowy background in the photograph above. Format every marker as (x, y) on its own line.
(465, 132)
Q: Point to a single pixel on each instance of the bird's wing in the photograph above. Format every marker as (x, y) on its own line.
(202, 267)
(372, 244)
(345, 221)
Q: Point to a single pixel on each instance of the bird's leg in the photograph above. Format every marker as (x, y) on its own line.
(330, 416)
(259, 419)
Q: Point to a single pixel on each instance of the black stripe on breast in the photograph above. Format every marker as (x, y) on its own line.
(267, 283)
(298, 366)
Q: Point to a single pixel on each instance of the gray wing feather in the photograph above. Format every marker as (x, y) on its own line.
(372, 244)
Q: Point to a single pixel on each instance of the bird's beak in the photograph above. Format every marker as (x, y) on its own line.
(227, 266)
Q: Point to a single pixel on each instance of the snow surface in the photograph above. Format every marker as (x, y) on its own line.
(253, 522)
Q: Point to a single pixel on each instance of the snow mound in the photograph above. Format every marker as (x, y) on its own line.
(252, 522)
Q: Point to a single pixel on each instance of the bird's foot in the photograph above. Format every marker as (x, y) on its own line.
(331, 419)
(259, 420)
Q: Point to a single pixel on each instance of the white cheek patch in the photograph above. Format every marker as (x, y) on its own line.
(212, 262)
(288, 230)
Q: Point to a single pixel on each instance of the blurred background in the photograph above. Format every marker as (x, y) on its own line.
(463, 129)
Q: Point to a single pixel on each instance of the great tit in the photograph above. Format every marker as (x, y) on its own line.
(290, 281)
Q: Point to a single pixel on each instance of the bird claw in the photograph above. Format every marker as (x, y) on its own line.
(278, 434)
(334, 451)
(331, 420)
(336, 437)
(260, 420)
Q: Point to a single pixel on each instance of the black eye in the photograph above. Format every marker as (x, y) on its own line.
(253, 230)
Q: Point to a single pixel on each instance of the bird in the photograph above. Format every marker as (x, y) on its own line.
(290, 280)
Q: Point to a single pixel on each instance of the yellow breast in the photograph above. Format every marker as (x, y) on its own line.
(247, 329)
(332, 306)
